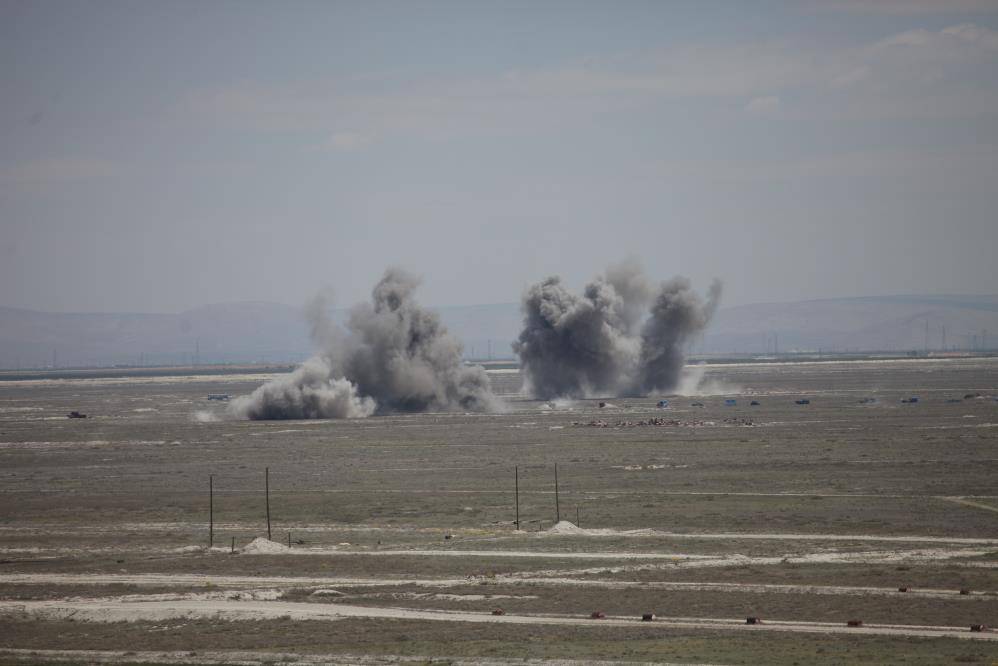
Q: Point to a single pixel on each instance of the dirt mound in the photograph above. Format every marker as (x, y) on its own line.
(565, 527)
(261, 546)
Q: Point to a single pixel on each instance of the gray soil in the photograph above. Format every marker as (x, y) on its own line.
(794, 513)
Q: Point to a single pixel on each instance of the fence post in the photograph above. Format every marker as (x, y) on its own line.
(516, 482)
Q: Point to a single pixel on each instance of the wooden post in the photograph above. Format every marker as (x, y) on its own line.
(516, 483)
(233, 551)
(289, 540)
(211, 511)
(266, 482)
(578, 516)
(557, 500)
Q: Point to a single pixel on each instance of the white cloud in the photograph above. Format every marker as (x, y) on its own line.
(908, 7)
(764, 106)
(851, 77)
(913, 73)
(345, 141)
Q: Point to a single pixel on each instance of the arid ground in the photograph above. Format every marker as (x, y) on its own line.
(403, 534)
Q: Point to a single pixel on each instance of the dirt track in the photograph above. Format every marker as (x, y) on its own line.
(247, 658)
(105, 610)
(285, 583)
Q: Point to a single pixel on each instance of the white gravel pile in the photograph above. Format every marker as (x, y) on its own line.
(565, 527)
(261, 546)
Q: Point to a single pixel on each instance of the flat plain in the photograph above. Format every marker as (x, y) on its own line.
(859, 506)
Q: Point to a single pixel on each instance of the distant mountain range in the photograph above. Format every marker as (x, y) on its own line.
(271, 332)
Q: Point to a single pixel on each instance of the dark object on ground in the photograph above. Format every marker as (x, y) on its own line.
(912, 400)
(867, 401)
(647, 617)
(696, 404)
(904, 588)
(224, 397)
(978, 627)
(76, 415)
(602, 404)
(754, 403)
(498, 611)
(753, 620)
(663, 403)
(803, 401)
(598, 615)
(964, 590)
(953, 400)
(448, 536)
(854, 623)
(971, 396)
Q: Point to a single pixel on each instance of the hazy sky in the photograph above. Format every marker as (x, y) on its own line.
(156, 156)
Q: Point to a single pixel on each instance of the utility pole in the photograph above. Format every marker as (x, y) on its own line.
(266, 482)
(211, 511)
(557, 503)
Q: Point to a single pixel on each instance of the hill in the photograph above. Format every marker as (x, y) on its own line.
(272, 332)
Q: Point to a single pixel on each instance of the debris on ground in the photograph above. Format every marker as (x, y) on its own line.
(660, 422)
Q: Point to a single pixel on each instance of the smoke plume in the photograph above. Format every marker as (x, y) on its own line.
(393, 356)
(310, 392)
(622, 336)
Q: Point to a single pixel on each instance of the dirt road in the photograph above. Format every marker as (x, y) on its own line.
(286, 583)
(109, 610)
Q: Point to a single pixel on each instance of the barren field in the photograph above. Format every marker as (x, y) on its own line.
(403, 538)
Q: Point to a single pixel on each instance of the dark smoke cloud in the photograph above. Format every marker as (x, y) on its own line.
(394, 356)
(402, 356)
(608, 341)
(677, 315)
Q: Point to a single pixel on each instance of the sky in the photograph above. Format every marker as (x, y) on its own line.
(159, 156)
